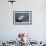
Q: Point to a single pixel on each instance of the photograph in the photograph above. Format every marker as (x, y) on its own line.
(22, 17)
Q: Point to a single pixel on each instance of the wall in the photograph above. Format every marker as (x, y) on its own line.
(9, 31)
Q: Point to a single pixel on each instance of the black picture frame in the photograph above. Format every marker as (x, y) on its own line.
(22, 17)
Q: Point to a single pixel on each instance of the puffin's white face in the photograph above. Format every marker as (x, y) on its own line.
(20, 17)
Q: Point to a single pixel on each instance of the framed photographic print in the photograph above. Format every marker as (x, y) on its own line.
(22, 17)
